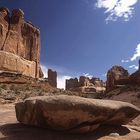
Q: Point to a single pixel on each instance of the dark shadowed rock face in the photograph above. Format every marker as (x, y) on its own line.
(116, 73)
(52, 78)
(19, 37)
(73, 114)
(72, 83)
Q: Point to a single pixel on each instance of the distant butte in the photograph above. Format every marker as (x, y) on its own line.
(118, 76)
(85, 85)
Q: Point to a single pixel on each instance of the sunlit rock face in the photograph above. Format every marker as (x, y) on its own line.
(13, 63)
(73, 113)
(20, 37)
(85, 84)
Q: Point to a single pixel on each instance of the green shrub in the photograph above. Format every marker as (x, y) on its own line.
(3, 86)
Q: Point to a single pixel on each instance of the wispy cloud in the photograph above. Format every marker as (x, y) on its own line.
(133, 67)
(45, 70)
(87, 75)
(117, 8)
(136, 53)
(134, 57)
(60, 78)
(104, 75)
(124, 61)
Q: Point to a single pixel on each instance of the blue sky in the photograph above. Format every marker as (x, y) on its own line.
(84, 36)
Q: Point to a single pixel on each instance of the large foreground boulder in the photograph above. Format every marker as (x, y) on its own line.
(72, 113)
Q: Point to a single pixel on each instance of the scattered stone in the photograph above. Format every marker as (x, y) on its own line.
(114, 135)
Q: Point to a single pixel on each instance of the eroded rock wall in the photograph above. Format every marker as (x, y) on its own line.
(4, 25)
(52, 78)
(72, 83)
(19, 37)
(115, 76)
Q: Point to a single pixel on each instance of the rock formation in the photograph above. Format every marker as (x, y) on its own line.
(52, 78)
(115, 76)
(20, 38)
(73, 113)
(85, 84)
(7, 77)
(72, 83)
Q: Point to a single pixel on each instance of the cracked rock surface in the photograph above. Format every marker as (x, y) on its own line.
(73, 113)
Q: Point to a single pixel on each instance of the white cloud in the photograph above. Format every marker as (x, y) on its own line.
(61, 80)
(104, 75)
(87, 75)
(133, 67)
(125, 61)
(45, 70)
(136, 54)
(117, 8)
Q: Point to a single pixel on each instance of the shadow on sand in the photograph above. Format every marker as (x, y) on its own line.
(23, 132)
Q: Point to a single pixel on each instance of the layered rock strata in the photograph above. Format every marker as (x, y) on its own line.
(19, 37)
(13, 63)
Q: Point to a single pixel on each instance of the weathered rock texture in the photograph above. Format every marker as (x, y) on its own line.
(7, 77)
(14, 63)
(52, 78)
(85, 84)
(74, 114)
(117, 75)
(19, 37)
(72, 83)
(11, 130)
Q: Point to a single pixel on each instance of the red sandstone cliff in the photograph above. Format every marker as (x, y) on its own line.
(20, 38)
